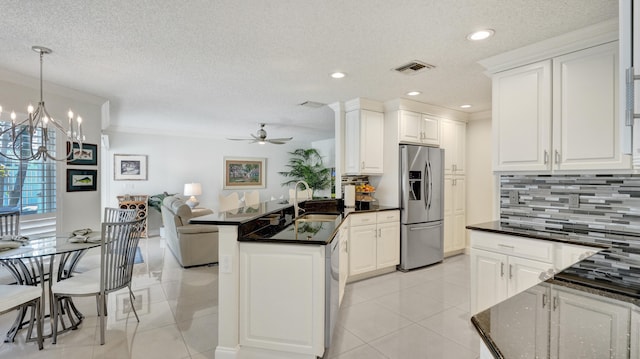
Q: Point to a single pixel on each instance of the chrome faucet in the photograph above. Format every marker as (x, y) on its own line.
(296, 208)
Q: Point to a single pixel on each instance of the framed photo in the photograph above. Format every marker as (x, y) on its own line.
(81, 180)
(244, 172)
(88, 156)
(130, 167)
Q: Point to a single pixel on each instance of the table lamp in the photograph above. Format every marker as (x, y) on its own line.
(193, 190)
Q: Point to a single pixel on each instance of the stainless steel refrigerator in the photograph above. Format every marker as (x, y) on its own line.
(421, 206)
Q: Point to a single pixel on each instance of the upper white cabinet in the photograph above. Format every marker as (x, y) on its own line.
(418, 128)
(452, 139)
(364, 134)
(556, 105)
(522, 118)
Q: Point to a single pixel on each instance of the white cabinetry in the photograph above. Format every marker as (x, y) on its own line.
(560, 114)
(419, 128)
(454, 214)
(275, 281)
(502, 266)
(453, 139)
(573, 317)
(364, 134)
(634, 334)
(374, 243)
(521, 120)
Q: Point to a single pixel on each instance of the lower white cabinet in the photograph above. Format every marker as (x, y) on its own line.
(282, 297)
(374, 241)
(573, 317)
(497, 276)
(455, 237)
(634, 334)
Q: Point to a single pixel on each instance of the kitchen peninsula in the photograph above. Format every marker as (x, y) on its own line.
(591, 309)
(280, 278)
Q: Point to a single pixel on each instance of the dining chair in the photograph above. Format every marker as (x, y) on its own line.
(10, 223)
(229, 202)
(119, 215)
(251, 198)
(20, 297)
(118, 244)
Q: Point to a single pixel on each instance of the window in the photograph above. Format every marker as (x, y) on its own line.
(28, 186)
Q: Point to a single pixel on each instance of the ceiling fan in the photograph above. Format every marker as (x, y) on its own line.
(261, 138)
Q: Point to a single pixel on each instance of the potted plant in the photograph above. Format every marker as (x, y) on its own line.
(306, 165)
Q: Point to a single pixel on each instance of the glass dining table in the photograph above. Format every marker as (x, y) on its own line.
(39, 259)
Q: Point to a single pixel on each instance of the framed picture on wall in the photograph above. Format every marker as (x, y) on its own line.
(240, 172)
(81, 180)
(87, 156)
(130, 167)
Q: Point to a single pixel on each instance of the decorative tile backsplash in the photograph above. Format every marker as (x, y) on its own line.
(595, 205)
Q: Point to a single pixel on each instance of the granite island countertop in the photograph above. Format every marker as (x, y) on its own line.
(273, 221)
(512, 328)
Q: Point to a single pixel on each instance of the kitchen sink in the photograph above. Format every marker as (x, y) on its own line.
(317, 217)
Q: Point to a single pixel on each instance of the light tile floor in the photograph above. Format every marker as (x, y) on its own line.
(420, 314)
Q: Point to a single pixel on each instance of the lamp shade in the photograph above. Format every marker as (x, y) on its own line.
(192, 189)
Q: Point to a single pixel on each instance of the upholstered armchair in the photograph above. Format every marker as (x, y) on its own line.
(191, 244)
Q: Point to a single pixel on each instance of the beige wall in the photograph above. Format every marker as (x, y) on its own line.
(480, 179)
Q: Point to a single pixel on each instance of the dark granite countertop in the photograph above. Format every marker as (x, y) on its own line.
(272, 222)
(612, 273)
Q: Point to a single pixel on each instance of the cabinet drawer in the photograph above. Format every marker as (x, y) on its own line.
(388, 216)
(362, 219)
(539, 250)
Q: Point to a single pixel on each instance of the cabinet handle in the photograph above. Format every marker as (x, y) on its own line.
(555, 302)
(510, 271)
(455, 167)
(505, 246)
(630, 95)
(501, 269)
(362, 165)
(544, 300)
(557, 157)
(546, 157)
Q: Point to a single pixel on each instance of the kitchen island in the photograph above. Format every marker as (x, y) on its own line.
(590, 309)
(277, 279)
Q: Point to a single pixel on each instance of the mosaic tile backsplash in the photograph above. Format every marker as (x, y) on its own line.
(595, 205)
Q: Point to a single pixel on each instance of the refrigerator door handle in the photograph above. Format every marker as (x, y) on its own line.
(429, 184)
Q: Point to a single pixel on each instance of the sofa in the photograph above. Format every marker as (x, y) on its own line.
(191, 244)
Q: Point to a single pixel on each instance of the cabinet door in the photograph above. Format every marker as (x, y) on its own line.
(362, 249)
(388, 245)
(452, 139)
(488, 281)
(524, 274)
(371, 140)
(585, 326)
(352, 142)
(634, 336)
(586, 123)
(343, 234)
(522, 118)
(410, 127)
(454, 214)
(430, 130)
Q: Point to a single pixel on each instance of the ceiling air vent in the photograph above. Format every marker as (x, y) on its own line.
(414, 67)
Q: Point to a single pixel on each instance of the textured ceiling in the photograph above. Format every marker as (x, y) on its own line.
(222, 67)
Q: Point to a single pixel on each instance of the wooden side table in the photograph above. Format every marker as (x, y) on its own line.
(138, 202)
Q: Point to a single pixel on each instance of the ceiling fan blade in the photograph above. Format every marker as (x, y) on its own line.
(284, 139)
(275, 142)
(240, 139)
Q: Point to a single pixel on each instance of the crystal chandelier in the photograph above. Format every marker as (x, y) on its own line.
(29, 139)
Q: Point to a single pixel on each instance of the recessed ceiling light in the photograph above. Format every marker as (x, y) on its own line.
(413, 93)
(480, 35)
(338, 75)
(465, 106)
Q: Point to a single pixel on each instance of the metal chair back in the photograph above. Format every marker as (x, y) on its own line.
(119, 215)
(10, 223)
(117, 253)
